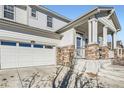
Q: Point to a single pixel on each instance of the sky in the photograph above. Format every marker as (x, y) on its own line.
(74, 11)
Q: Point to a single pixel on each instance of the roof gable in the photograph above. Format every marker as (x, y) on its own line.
(99, 10)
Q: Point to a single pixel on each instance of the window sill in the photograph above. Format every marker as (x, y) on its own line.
(9, 19)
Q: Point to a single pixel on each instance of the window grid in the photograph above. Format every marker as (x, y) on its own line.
(33, 12)
(9, 11)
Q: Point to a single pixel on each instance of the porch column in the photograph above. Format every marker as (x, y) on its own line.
(92, 31)
(89, 31)
(105, 36)
(114, 41)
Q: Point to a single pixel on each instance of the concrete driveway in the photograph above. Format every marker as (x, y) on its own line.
(40, 76)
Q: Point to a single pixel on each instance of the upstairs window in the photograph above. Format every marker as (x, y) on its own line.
(49, 21)
(9, 11)
(33, 12)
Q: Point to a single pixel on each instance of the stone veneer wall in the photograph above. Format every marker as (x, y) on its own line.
(94, 52)
(104, 52)
(65, 55)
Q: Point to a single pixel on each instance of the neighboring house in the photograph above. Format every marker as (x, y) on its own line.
(120, 48)
(34, 35)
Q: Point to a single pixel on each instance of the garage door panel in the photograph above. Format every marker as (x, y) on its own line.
(8, 57)
(13, 56)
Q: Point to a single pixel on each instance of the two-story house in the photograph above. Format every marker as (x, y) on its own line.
(34, 35)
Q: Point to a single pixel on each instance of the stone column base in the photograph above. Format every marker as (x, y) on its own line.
(104, 53)
(92, 52)
(65, 55)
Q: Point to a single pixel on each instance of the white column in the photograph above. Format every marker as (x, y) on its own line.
(114, 41)
(105, 36)
(89, 31)
(94, 31)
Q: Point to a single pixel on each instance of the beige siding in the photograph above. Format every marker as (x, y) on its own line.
(68, 38)
(41, 21)
(8, 35)
(24, 16)
(20, 15)
(58, 24)
(0, 11)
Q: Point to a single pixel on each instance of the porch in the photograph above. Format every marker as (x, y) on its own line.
(91, 40)
(87, 37)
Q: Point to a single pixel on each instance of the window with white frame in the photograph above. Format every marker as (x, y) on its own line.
(49, 21)
(33, 12)
(9, 11)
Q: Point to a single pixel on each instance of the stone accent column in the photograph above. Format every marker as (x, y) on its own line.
(65, 55)
(105, 36)
(104, 52)
(92, 52)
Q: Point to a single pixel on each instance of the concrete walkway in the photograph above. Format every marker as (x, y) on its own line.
(113, 75)
(27, 77)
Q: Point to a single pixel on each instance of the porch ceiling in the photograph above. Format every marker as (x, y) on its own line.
(83, 29)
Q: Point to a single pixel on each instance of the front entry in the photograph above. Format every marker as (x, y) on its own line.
(80, 44)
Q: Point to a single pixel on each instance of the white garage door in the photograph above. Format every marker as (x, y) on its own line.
(13, 56)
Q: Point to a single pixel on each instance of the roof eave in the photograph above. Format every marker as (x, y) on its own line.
(94, 11)
(117, 21)
(52, 13)
(88, 14)
(39, 32)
